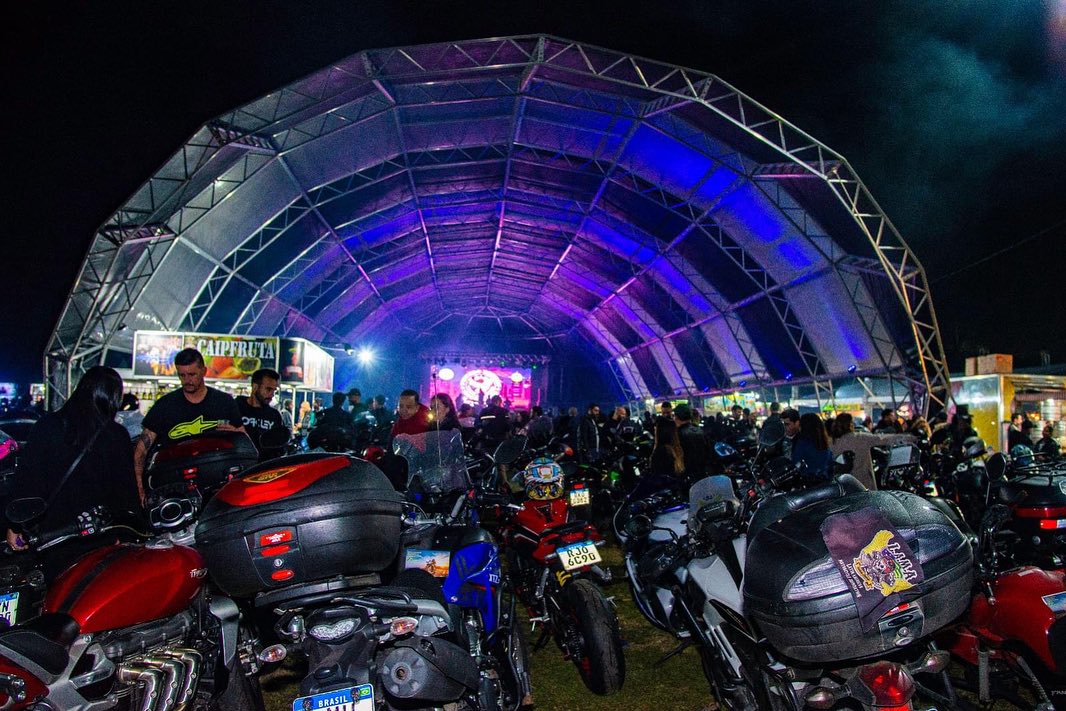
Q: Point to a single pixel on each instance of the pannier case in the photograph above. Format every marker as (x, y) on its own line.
(207, 461)
(798, 598)
(298, 519)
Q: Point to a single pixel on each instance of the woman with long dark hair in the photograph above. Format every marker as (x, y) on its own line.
(811, 447)
(84, 427)
(443, 410)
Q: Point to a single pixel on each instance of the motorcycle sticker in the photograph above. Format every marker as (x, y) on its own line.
(882, 565)
(873, 559)
(1056, 602)
(268, 476)
(436, 563)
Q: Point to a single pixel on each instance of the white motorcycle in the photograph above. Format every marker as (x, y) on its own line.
(780, 622)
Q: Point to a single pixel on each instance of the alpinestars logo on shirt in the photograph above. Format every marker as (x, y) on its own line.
(195, 427)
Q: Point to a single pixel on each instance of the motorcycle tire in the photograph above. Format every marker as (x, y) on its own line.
(601, 664)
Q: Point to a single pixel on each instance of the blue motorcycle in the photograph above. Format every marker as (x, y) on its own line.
(443, 537)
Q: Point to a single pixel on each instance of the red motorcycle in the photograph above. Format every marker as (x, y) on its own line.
(1014, 634)
(553, 562)
(128, 626)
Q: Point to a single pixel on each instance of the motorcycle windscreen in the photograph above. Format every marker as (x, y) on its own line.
(709, 490)
(435, 458)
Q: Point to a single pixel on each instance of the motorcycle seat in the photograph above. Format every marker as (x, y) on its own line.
(781, 505)
(44, 640)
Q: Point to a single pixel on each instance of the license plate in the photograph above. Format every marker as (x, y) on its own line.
(9, 607)
(357, 698)
(579, 555)
(580, 497)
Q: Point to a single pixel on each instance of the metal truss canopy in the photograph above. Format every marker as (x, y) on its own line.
(520, 191)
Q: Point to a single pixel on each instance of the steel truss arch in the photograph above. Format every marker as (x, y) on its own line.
(536, 183)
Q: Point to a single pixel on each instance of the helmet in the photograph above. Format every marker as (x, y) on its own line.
(543, 479)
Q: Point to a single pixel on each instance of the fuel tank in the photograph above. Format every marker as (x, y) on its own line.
(123, 585)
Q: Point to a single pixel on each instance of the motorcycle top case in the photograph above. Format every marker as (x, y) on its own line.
(208, 461)
(299, 519)
(798, 598)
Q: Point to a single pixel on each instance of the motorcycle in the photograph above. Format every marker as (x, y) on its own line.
(310, 547)
(553, 561)
(751, 582)
(1016, 621)
(450, 545)
(1035, 491)
(128, 626)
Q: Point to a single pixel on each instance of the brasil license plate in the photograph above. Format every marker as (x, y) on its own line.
(578, 555)
(9, 607)
(580, 497)
(357, 698)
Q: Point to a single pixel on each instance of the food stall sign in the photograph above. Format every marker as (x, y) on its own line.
(154, 351)
(234, 357)
(318, 369)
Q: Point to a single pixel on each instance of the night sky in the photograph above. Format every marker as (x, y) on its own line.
(954, 114)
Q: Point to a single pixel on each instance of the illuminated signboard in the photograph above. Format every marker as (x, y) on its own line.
(477, 385)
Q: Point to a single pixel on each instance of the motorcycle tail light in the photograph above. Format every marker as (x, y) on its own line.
(820, 579)
(1051, 524)
(568, 452)
(890, 684)
(335, 631)
(403, 626)
(1040, 511)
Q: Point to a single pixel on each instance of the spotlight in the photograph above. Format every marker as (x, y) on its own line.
(445, 373)
(366, 355)
(788, 376)
(516, 377)
(852, 368)
(743, 383)
(348, 349)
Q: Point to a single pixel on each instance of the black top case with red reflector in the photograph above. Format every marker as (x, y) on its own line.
(206, 461)
(300, 519)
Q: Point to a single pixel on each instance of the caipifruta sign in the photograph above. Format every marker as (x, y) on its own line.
(226, 357)
(234, 357)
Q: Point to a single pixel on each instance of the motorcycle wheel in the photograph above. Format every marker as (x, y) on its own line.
(751, 694)
(601, 664)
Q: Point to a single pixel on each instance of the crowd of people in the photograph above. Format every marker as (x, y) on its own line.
(82, 454)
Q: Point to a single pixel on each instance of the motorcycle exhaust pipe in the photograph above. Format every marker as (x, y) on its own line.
(193, 662)
(174, 676)
(150, 678)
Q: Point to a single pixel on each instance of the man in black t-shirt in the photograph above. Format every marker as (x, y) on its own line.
(192, 410)
(260, 418)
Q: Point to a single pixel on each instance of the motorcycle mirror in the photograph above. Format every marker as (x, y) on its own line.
(509, 450)
(21, 511)
(772, 432)
(996, 466)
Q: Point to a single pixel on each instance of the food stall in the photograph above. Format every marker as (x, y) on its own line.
(993, 397)
(230, 361)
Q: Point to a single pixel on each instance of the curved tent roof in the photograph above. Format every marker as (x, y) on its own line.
(522, 193)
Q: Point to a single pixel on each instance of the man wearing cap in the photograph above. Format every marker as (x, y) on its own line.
(693, 445)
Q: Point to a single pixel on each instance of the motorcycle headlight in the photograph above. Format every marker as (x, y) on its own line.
(819, 579)
(333, 631)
